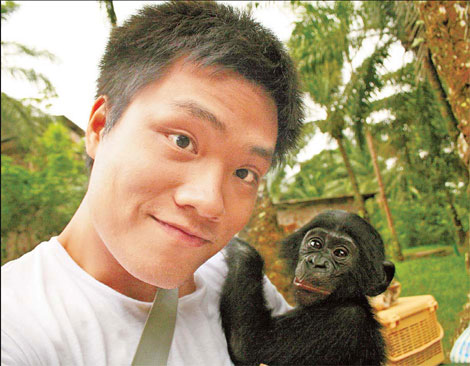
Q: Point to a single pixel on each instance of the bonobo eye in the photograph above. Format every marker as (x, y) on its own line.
(341, 253)
(314, 243)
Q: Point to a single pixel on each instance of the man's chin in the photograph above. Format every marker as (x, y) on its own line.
(169, 279)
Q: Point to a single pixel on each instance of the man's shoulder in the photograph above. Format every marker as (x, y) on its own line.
(23, 277)
(21, 268)
(22, 284)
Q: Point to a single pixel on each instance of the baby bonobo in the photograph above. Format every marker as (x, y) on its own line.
(337, 260)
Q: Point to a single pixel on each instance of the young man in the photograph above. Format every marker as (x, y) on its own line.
(195, 103)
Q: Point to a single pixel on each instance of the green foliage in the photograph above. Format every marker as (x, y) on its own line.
(322, 176)
(420, 224)
(17, 199)
(21, 119)
(428, 176)
(325, 41)
(39, 200)
(325, 176)
(320, 43)
(10, 50)
(419, 133)
(21, 122)
(424, 178)
(43, 172)
(7, 8)
(364, 82)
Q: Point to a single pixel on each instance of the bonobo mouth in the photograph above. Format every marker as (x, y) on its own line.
(309, 287)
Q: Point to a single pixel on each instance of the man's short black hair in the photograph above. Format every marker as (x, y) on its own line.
(208, 34)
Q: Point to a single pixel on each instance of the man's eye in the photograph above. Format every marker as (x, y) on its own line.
(182, 141)
(247, 175)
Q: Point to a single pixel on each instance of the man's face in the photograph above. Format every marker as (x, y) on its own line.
(177, 176)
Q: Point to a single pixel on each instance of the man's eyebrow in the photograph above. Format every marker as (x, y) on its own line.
(196, 110)
(266, 154)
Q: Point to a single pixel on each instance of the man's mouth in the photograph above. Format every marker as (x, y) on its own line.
(183, 234)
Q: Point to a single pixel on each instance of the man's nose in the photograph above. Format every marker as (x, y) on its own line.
(203, 191)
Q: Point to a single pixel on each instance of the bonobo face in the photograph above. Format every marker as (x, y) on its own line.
(325, 257)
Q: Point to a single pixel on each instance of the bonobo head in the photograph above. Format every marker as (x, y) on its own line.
(337, 254)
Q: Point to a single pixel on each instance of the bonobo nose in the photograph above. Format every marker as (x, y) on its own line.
(318, 261)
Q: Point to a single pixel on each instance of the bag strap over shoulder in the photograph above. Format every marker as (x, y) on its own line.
(155, 342)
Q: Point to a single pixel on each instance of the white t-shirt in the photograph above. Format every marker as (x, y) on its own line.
(55, 313)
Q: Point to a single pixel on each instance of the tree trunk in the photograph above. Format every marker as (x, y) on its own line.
(443, 55)
(360, 203)
(461, 234)
(445, 31)
(446, 109)
(396, 248)
(109, 5)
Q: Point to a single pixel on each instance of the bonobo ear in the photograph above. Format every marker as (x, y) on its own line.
(389, 272)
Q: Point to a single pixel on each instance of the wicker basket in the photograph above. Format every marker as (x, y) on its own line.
(412, 333)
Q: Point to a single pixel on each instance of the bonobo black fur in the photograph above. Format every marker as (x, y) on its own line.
(336, 259)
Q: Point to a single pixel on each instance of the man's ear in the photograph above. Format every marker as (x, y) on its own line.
(94, 131)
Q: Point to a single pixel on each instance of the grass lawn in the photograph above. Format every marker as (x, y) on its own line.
(446, 279)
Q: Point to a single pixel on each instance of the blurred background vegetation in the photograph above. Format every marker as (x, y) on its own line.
(403, 134)
(43, 173)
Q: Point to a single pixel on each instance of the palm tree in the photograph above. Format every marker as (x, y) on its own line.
(422, 145)
(359, 90)
(22, 122)
(320, 44)
(324, 42)
(13, 48)
(325, 175)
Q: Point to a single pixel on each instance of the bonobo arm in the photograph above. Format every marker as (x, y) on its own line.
(245, 315)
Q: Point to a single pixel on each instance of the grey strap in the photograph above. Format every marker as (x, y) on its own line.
(155, 342)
